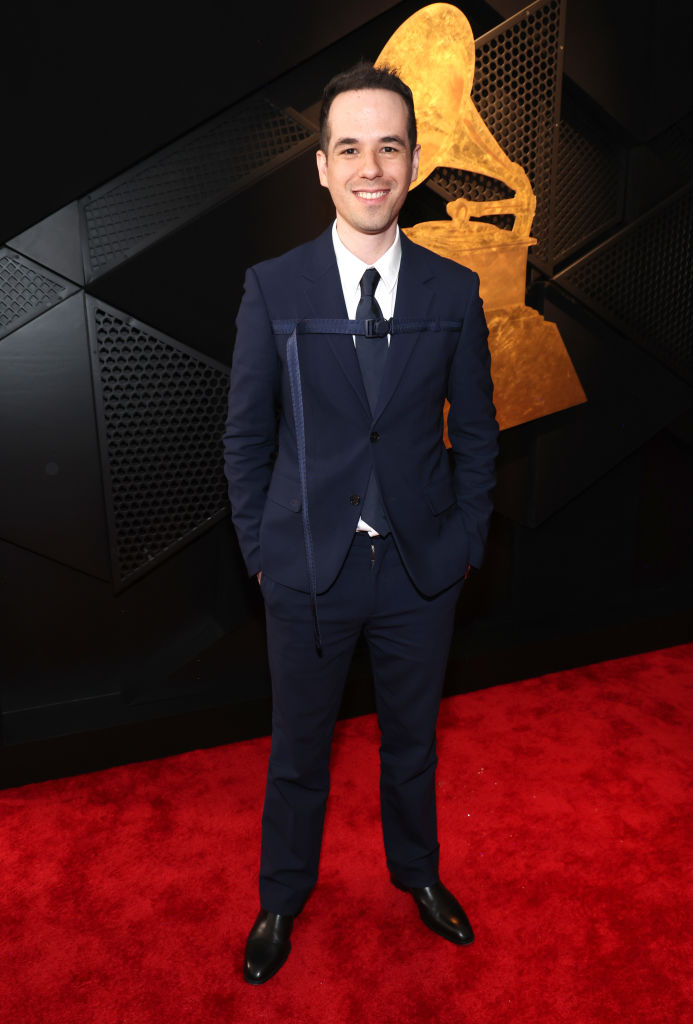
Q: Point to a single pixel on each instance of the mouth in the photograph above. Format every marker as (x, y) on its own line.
(371, 196)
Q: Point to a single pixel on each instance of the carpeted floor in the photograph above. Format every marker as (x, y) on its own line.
(127, 895)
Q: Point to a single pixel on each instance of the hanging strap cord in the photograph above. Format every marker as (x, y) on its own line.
(363, 328)
(297, 404)
(368, 329)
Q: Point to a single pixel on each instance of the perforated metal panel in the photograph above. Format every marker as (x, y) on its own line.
(517, 85)
(26, 290)
(589, 188)
(674, 147)
(641, 280)
(162, 409)
(211, 163)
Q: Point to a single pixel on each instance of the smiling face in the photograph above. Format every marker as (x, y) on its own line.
(368, 167)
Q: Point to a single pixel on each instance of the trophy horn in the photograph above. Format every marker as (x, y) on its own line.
(433, 52)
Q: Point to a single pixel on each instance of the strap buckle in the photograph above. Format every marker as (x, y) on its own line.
(377, 328)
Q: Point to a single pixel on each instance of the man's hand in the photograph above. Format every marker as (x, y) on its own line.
(259, 577)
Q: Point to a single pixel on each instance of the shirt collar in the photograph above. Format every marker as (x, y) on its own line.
(351, 268)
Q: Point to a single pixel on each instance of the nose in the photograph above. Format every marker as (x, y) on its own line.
(370, 165)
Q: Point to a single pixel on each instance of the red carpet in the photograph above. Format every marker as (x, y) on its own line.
(127, 895)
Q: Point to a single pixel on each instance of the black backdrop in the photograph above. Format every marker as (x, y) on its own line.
(148, 163)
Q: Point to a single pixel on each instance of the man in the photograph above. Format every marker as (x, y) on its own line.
(346, 504)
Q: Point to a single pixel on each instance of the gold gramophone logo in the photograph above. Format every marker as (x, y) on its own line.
(434, 53)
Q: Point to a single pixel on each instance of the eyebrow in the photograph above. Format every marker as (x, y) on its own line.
(386, 138)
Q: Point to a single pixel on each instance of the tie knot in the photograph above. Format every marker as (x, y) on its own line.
(369, 281)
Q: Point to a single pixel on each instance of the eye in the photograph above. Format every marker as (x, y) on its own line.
(348, 151)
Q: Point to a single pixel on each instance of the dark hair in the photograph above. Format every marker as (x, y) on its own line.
(364, 76)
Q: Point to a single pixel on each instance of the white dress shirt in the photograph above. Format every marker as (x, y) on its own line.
(351, 270)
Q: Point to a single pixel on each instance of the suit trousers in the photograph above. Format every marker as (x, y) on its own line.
(408, 636)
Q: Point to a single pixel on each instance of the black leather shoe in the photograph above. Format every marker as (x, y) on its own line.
(441, 912)
(267, 947)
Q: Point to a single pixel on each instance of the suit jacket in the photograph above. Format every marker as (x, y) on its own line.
(438, 503)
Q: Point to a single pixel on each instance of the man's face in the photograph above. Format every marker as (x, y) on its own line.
(368, 167)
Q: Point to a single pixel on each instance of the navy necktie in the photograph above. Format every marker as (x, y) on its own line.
(372, 353)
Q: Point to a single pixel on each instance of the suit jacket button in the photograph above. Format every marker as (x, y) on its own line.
(355, 500)
(375, 436)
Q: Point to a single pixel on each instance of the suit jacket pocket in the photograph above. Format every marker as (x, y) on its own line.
(285, 491)
(440, 496)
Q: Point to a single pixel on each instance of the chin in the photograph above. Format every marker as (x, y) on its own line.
(375, 225)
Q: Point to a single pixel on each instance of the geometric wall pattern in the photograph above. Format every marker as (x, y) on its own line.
(517, 91)
(589, 186)
(207, 165)
(674, 149)
(161, 408)
(641, 281)
(26, 290)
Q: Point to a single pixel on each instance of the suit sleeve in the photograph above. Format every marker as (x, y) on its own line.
(472, 426)
(250, 434)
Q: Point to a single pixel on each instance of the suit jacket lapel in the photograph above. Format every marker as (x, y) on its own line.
(415, 301)
(325, 298)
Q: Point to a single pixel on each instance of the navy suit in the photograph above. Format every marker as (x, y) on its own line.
(403, 597)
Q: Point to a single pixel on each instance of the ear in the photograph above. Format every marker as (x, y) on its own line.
(415, 162)
(322, 167)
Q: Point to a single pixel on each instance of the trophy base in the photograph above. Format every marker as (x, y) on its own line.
(533, 375)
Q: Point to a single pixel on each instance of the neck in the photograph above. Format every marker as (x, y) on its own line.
(368, 248)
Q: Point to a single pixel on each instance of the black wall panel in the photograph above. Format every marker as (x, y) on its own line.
(54, 504)
(190, 283)
(55, 243)
(247, 142)
(27, 290)
(161, 411)
(631, 56)
(640, 280)
(590, 178)
(95, 89)
(74, 658)
(631, 397)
